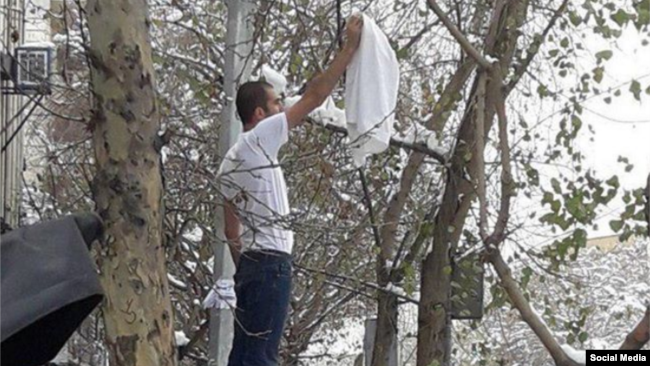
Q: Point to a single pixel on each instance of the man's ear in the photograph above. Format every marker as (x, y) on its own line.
(260, 114)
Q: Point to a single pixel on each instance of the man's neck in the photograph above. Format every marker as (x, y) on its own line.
(250, 126)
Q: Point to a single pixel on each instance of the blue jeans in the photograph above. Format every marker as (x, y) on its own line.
(263, 288)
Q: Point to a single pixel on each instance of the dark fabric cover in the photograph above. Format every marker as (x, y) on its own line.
(49, 285)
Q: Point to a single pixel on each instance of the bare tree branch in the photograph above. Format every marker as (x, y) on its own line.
(354, 279)
(479, 154)
(527, 313)
(460, 37)
(418, 36)
(507, 184)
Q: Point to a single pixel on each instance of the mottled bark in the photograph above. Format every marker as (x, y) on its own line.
(128, 186)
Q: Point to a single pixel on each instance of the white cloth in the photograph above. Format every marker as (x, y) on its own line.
(277, 80)
(418, 134)
(290, 101)
(181, 338)
(251, 177)
(221, 296)
(328, 113)
(371, 93)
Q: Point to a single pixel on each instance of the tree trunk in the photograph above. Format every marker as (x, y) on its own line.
(434, 320)
(434, 339)
(137, 312)
(387, 309)
(640, 335)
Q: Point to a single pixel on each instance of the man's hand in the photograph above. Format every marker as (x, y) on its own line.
(353, 32)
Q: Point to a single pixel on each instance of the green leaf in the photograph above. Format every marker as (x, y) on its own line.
(616, 225)
(564, 43)
(621, 17)
(576, 122)
(626, 235)
(643, 18)
(598, 74)
(549, 218)
(402, 54)
(576, 208)
(523, 123)
(604, 55)
(575, 18)
(642, 5)
(639, 216)
(563, 248)
(542, 91)
(635, 88)
(556, 186)
(580, 237)
(627, 198)
(613, 181)
(583, 336)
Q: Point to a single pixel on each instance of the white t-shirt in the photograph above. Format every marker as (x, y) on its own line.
(250, 176)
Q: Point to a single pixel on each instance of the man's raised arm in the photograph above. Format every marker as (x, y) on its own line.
(321, 86)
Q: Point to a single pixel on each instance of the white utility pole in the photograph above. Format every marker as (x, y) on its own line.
(369, 344)
(239, 44)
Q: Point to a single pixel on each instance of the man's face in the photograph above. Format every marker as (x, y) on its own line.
(273, 103)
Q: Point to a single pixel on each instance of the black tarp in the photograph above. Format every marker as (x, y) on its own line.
(48, 286)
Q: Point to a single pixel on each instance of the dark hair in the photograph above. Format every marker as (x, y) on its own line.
(250, 96)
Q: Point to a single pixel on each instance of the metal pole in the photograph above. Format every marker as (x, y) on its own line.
(239, 44)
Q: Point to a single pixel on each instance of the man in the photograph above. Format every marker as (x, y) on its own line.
(256, 205)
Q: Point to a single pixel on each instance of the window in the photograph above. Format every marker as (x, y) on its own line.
(32, 69)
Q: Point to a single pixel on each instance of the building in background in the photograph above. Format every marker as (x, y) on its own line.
(609, 242)
(22, 23)
(11, 36)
